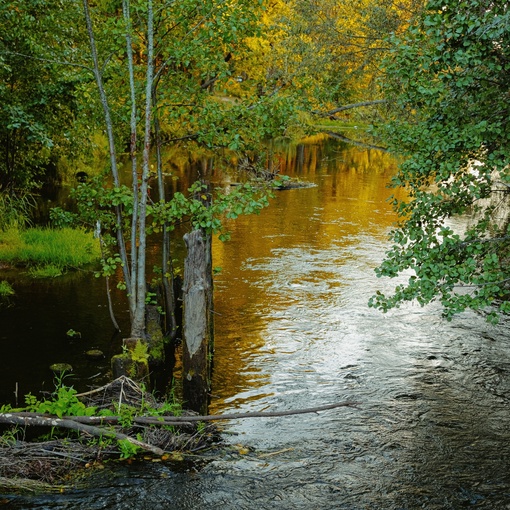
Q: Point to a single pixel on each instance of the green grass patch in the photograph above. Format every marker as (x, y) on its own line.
(49, 271)
(46, 250)
(6, 289)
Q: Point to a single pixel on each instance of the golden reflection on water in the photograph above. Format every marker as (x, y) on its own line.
(349, 201)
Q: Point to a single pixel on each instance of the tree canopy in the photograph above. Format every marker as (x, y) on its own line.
(448, 78)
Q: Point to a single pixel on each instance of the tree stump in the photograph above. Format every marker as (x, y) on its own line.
(197, 327)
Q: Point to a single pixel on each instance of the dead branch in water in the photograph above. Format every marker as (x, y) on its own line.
(24, 418)
(41, 420)
(41, 464)
(261, 414)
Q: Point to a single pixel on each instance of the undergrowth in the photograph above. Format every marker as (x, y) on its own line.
(64, 402)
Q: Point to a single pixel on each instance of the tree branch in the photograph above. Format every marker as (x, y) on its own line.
(348, 107)
(40, 420)
(354, 142)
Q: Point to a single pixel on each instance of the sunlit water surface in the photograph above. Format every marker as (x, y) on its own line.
(293, 330)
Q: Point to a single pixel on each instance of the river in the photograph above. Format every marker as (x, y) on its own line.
(293, 330)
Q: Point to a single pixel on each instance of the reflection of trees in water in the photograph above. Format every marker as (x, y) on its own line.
(349, 201)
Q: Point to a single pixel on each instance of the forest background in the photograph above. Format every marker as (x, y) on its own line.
(87, 85)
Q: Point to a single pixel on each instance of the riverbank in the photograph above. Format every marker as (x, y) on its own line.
(73, 434)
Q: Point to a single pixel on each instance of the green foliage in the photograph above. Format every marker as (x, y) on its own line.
(150, 298)
(64, 402)
(36, 93)
(127, 449)
(47, 271)
(15, 209)
(9, 437)
(140, 353)
(95, 202)
(6, 289)
(48, 251)
(250, 198)
(449, 80)
(126, 414)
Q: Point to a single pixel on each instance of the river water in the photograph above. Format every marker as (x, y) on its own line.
(293, 330)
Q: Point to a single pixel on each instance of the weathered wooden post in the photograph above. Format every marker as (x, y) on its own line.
(198, 322)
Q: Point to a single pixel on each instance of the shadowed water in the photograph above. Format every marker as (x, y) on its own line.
(293, 330)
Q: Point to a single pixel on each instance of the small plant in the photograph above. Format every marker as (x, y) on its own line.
(5, 289)
(140, 353)
(127, 449)
(71, 333)
(9, 437)
(126, 415)
(64, 402)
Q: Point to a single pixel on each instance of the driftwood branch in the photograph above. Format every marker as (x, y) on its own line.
(347, 107)
(266, 414)
(94, 425)
(167, 420)
(40, 420)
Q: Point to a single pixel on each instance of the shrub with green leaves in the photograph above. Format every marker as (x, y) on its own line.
(448, 79)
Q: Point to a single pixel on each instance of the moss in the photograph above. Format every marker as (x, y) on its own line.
(133, 362)
(155, 338)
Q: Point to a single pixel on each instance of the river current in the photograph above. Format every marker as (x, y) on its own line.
(293, 330)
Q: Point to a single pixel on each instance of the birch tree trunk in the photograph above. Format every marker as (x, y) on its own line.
(138, 324)
(132, 152)
(111, 143)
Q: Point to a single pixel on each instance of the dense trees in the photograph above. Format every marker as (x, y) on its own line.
(229, 75)
(449, 80)
(37, 103)
(167, 68)
(328, 53)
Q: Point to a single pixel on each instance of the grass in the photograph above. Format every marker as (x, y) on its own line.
(15, 209)
(6, 289)
(49, 271)
(48, 252)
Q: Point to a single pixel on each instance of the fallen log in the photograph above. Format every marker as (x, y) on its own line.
(41, 420)
(350, 141)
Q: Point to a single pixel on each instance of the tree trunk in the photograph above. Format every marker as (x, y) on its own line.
(133, 157)
(111, 142)
(138, 323)
(197, 297)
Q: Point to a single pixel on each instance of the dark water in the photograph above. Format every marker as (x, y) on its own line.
(293, 330)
